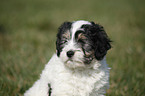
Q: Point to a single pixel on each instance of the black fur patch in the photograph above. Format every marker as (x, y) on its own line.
(99, 39)
(50, 90)
(60, 39)
(86, 44)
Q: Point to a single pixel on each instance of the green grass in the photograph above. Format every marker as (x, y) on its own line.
(28, 32)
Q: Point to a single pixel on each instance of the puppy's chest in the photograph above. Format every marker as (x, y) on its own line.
(78, 84)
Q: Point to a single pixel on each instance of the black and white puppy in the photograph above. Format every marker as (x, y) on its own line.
(79, 66)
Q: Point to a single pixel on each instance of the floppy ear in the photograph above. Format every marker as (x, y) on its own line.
(100, 40)
(63, 28)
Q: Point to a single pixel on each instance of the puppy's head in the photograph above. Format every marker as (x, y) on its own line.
(80, 43)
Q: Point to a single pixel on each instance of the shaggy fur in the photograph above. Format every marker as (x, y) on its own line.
(79, 67)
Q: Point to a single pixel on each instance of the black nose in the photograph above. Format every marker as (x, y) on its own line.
(70, 53)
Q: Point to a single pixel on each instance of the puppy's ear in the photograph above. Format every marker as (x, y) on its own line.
(100, 40)
(61, 30)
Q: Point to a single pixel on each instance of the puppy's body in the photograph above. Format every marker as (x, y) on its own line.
(66, 82)
(76, 70)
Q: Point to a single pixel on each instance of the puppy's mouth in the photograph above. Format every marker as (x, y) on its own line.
(69, 60)
(74, 64)
(73, 61)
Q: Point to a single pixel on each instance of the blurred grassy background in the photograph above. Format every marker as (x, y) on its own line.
(28, 32)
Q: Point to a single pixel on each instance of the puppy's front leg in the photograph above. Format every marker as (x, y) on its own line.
(40, 88)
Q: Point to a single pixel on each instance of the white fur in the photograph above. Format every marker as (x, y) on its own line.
(72, 77)
(76, 25)
(65, 82)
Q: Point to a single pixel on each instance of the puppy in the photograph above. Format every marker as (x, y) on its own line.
(79, 66)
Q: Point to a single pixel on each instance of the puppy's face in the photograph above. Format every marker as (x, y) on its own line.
(80, 43)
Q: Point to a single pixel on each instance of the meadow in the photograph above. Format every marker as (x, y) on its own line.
(28, 31)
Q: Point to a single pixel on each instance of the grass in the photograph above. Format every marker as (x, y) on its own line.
(28, 32)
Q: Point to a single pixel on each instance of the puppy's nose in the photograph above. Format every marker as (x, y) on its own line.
(70, 53)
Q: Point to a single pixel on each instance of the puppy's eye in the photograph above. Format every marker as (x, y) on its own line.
(79, 31)
(63, 41)
(81, 40)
